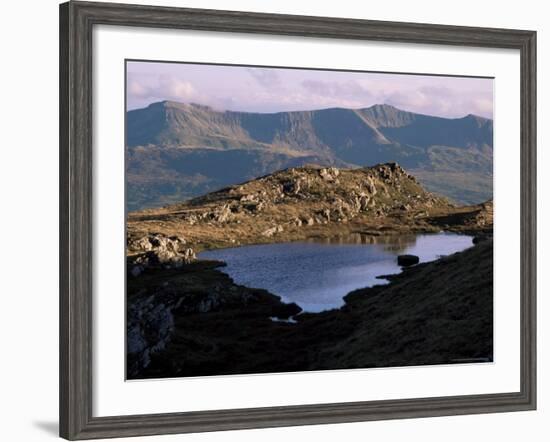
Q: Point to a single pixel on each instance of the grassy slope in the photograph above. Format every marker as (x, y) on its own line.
(438, 312)
(460, 187)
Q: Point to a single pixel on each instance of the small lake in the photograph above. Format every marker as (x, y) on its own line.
(316, 274)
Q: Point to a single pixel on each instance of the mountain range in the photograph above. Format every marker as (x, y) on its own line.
(176, 151)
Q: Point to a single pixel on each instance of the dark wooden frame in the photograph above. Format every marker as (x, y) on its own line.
(76, 22)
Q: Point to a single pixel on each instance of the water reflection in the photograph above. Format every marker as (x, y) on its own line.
(318, 273)
(391, 243)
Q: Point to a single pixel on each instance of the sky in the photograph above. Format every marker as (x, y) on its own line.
(258, 89)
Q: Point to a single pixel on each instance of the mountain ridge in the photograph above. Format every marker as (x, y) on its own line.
(379, 107)
(237, 123)
(180, 133)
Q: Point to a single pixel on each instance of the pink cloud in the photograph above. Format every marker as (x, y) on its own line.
(257, 89)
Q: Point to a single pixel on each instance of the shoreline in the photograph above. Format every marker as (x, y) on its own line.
(381, 279)
(251, 309)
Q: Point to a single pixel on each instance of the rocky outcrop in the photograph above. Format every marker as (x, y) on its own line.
(295, 204)
(272, 231)
(330, 174)
(157, 250)
(200, 289)
(149, 328)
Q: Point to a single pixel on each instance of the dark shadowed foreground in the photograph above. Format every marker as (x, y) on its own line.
(195, 322)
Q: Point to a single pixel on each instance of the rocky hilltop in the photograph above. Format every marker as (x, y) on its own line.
(179, 150)
(295, 204)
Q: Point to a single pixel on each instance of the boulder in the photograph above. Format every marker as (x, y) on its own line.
(364, 202)
(292, 187)
(370, 186)
(285, 311)
(248, 198)
(407, 260)
(158, 250)
(272, 231)
(329, 174)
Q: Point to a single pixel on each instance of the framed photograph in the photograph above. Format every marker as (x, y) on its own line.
(272, 220)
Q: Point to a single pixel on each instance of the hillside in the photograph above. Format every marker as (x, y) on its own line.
(176, 151)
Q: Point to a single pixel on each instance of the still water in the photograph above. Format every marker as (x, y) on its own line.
(316, 274)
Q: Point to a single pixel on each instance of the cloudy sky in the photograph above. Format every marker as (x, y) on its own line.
(277, 89)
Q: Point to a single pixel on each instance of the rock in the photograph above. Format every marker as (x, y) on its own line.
(155, 241)
(364, 203)
(284, 311)
(149, 329)
(407, 260)
(189, 255)
(272, 231)
(329, 174)
(223, 214)
(370, 187)
(211, 302)
(142, 244)
(292, 187)
(158, 250)
(247, 198)
(255, 206)
(310, 221)
(135, 341)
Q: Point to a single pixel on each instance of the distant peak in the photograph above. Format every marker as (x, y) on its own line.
(478, 119)
(383, 106)
(385, 110)
(179, 105)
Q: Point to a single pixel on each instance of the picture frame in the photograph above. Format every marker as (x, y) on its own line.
(77, 20)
